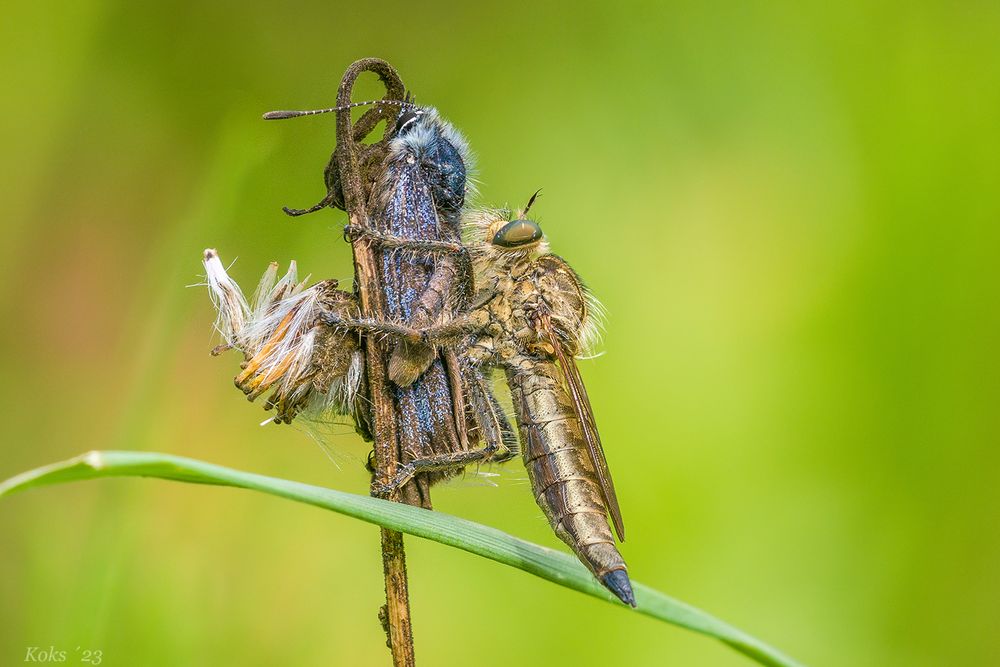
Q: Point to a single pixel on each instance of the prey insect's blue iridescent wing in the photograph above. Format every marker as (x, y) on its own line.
(420, 197)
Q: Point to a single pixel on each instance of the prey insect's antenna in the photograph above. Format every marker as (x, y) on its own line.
(530, 202)
(281, 115)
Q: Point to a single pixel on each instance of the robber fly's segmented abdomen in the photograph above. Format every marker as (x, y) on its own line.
(555, 455)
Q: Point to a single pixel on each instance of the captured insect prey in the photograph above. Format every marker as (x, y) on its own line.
(418, 196)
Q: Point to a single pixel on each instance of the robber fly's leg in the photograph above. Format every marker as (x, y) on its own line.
(437, 334)
(373, 327)
(435, 463)
(498, 434)
(352, 232)
(500, 442)
(456, 382)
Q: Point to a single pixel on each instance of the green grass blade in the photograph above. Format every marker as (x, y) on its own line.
(475, 538)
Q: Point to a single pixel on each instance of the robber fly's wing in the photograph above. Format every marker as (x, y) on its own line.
(581, 405)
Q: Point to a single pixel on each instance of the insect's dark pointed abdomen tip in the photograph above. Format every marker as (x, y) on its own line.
(617, 582)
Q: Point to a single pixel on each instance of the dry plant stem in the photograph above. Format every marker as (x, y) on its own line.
(396, 615)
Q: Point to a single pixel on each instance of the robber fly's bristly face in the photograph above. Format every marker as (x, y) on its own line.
(503, 238)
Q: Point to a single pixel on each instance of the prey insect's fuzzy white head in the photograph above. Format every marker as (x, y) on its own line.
(418, 130)
(425, 142)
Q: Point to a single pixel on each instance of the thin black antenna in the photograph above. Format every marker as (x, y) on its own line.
(281, 115)
(530, 202)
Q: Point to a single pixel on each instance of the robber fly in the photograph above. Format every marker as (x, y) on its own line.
(533, 317)
(543, 318)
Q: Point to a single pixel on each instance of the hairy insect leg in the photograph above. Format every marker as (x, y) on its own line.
(498, 435)
(437, 334)
(352, 232)
(497, 432)
(436, 463)
(456, 382)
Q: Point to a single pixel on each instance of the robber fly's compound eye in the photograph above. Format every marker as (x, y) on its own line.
(517, 233)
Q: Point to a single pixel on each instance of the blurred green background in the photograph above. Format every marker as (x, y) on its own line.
(790, 211)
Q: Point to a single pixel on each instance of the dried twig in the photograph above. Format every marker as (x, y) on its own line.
(395, 615)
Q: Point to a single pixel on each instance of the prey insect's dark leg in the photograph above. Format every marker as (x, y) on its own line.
(323, 203)
(497, 433)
